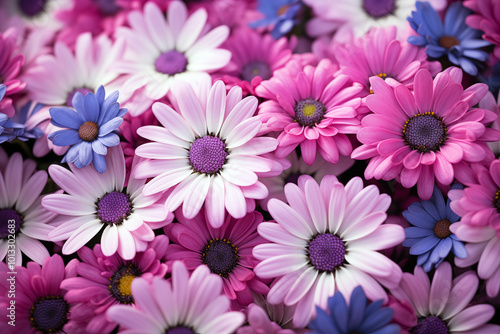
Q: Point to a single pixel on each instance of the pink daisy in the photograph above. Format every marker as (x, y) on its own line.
(162, 52)
(186, 304)
(98, 201)
(105, 281)
(487, 19)
(432, 133)
(326, 240)
(227, 251)
(20, 189)
(260, 320)
(312, 107)
(489, 103)
(442, 306)
(207, 152)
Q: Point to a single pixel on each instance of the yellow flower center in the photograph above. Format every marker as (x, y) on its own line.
(125, 284)
(308, 110)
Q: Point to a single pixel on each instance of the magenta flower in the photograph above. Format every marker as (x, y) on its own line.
(312, 107)
(487, 19)
(186, 304)
(227, 251)
(105, 281)
(432, 133)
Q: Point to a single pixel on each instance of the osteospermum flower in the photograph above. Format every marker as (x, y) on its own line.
(486, 17)
(98, 201)
(442, 306)
(20, 189)
(359, 316)
(460, 43)
(430, 134)
(160, 52)
(490, 103)
(430, 237)
(105, 281)
(208, 153)
(326, 240)
(279, 15)
(92, 128)
(187, 304)
(312, 107)
(227, 252)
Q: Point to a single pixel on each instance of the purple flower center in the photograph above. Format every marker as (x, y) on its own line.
(10, 221)
(326, 252)
(442, 229)
(431, 325)
(121, 281)
(448, 41)
(49, 314)
(83, 91)
(171, 62)
(424, 132)
(88, 131)
(379, 8)
(254, 69)
(32, 7)
(107, 7)
(221, 256)
(179, 330)
(208, 154)
(309, 112)
(114, 207)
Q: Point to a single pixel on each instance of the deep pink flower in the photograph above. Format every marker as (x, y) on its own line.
(489, 103)
(487, 19)
(432, 133)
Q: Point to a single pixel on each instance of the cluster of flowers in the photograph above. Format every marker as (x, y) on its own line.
(241, 166)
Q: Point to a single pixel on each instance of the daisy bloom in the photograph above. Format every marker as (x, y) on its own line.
(442, 306)
(98, 201)
(326, 240)
(312, 107)
(432, 133)
(207, 152)
(104, 281)
(227, 251)
(186, 304)
(161, 52)
(486, 17)
(489, 103)
(20, 189)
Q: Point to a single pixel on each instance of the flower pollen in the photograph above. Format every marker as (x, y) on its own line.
(88, 131)
(120, 283)
(431, 324)
(442, 229)
(425, 132)
(254, 69)
(309, 112)
(221, 256)
(448, 41)
(326, 252)
(114, 207)
(208, 154)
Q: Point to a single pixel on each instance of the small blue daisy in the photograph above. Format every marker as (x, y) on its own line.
(430, 238)
(453, 38)
(359, 317)
(280, 13)
(91, 128)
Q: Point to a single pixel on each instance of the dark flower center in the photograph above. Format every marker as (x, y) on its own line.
(424, 132)
(448, 41)
(379, 8)
(9, 219)
(32, 7)
(88, 131)
(83, 91)
(107, 7)
(114, 207)
(208, 154)
(309, 112)
(180, 330)
(431, 325)
(326, 252)
(442, 229)
(496, 201)
(254, 69)
(49, 314)
(221, 256)
(171, 62)
(121, 281)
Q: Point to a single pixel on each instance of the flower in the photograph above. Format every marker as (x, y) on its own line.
(105, 281)
(184, 305)
(430, 238)
(432, 133)
(280, 14)
(92, 128)
(326, 240)
(20, 189)
(489, 103)
(442, 306)
(312, 107)
(161, 53)
(357, 317)
(460, 43)
(227, 251)
(486, 18)
(207, 153)
(95, 201)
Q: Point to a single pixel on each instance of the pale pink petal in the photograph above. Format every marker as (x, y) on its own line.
(81, 236)
(302, 286)
(289, 219)
(471, 318)
(126, 245)
(280, 265)
(130, 317)
(109, 240)
(68, 205)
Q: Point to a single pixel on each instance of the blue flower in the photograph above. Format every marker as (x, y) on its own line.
(359, 317)
(430, 238)
(91, 128)
(280, 13)
(453, 38)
